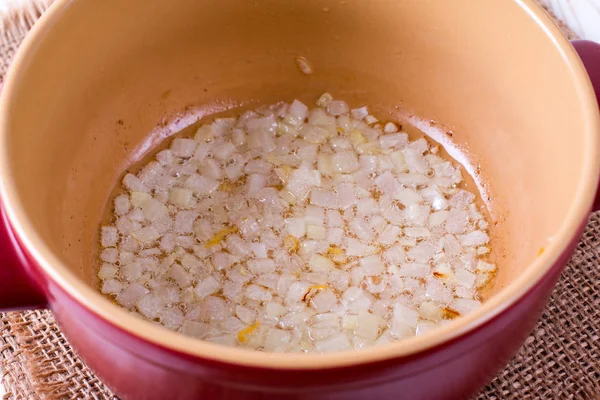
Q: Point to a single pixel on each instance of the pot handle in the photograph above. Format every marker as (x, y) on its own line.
(589, 52)
(18, 290)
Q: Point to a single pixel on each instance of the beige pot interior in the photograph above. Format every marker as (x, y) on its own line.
(109, 79)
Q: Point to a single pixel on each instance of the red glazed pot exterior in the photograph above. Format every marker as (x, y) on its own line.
(18, 290)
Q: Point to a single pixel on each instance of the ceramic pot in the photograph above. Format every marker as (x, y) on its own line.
(98, 82)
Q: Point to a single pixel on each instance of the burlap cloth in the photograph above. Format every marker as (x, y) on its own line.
(560, 360)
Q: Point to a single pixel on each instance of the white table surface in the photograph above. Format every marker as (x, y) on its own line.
(582, 16)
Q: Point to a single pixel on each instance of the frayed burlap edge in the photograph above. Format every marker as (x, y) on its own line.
(560, 360)
(37, 371)
(39, 363)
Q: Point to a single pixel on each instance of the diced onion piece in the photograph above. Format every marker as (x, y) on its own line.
(390, 127)
(482, 250)
(393, 140)
(150, 306)
(316, 232)
(296, 227)
(182, 198)
(323, 301)
(437, 218)
(133, 183)
(183, 147)
(223, 151)
(407, 196)
(349, 321)
(367, 325)
(325, 164)
(337, 342)
(415, 270)
(165, 157)
(130, 294)
(180, 276)
(277, 340)
(423, 252)
(464, 277)
(206, 287)
(417, 232)
(323, 198)
(399, 161)
(370, 119)
(389, 235)
(201, 184)
(337, 107)
(443, 271)
(345, 162)
(314, 134)
(357, 247)
(299, 110)
(109, 236)
(107, 271)
(111, 286)
(404, 321)
(302, 180)
(146, 235)
(318, 263)
(122, 204)
(324, 100)
(465, 306)
(361, 229)
(261, 265)
(359, 113)
(194, 328)
(109, 255)
(475, 238)
(154, 210)
(429, 310)
(373, 265)
(356, 299)
(220, 236)
(258, 293)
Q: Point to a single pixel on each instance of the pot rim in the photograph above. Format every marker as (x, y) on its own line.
(91, 299)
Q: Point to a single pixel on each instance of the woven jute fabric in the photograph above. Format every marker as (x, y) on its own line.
(560, 360)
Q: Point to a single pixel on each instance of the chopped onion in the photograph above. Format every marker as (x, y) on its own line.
(373, 265)
(324, 100)
(109, 255)
(367, 325)
(182, 198)
(296, 230)
(475, 238)
(206, 287)
(318, 263)
(337, 107)
(109, 236)
(359, 113)
(107, 271)
(324, 301)
(345, 162)
(111, 286)
(146, 235)
(183, 147)
(201, 184)
(122, 204)
(130, 295)
(133, 183)
(415, 270)
(393, 140)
